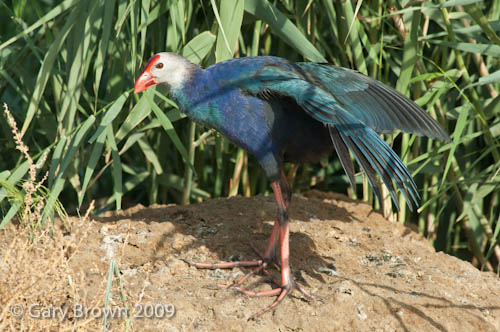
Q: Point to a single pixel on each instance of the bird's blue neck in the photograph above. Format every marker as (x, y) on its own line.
(196, 96)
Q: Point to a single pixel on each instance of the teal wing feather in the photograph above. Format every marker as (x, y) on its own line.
(374, 103)
(339, 99)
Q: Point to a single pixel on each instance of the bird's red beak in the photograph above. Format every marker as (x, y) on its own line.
(146, 79)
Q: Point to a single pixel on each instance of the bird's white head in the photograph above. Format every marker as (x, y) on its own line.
(169, 69)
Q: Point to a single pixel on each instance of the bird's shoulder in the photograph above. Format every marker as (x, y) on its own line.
(238, 69)
(336, 80)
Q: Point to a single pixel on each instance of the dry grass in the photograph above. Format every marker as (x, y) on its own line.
(35, 270)
(33, 199)
(45, 272)
(38, 272)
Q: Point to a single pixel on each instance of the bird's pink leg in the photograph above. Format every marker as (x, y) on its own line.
(268, 255)
(270, 252)
(287, 283)
(280, 231)
(260, 264)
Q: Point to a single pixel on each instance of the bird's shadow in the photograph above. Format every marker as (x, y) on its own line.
(396, 302)
(215, 227)
(220, 229)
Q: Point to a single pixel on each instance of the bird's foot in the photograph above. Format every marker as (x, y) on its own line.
(259, 265)
(284, 287)
(280, 292)
(226, 265)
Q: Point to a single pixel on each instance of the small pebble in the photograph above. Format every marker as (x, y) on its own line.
(235, 257)
(361, 314)
(219, 274)
(330, 270)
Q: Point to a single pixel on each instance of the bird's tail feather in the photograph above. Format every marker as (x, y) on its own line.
(343, 153)
(374, 157)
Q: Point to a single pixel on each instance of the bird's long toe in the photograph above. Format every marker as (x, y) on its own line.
(308, 296)
(239, 282)
(280, 293)
(225, 265)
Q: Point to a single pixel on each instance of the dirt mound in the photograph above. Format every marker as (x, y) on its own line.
(373, 275)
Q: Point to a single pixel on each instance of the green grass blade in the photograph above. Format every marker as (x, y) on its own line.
(145, 8)
(117, 168)
(110, 115)
(457, 135)
(56, 11)
(482, 21)
(485, 49)
(188, 172)
(51, 203)
(409, 54)
(221, 28)
(131, 140)
(14, 208)
(107, 294)
(284, 28)
(102, 50)
(14, 178)
(199, 47)
(231, 17)
(353, 35)
(76, 141)
(452, 3)
(46, 70)
(139, 112)
(168, 127)
(56, 159)
(79, 58)
(488, 79)
(150, 154)
(91, 165)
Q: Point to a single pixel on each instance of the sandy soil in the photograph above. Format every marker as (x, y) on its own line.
(373, 275)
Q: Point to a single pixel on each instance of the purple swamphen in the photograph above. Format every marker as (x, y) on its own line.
(292, 112)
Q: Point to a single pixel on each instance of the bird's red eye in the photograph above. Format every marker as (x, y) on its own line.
(159, 65)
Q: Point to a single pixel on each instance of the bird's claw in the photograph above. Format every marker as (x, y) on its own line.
(280, 292)
(308, 297)
(259, 266)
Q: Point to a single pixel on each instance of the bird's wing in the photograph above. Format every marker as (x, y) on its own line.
(347, 131)
(374, 103)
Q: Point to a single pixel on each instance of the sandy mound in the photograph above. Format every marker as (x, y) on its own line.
(374, 275)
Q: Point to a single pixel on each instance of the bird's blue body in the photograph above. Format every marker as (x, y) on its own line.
(282, 111)
(263, 126)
